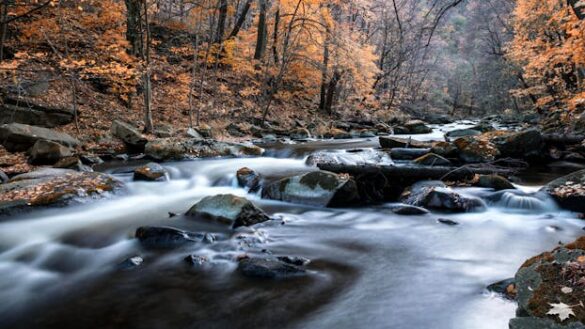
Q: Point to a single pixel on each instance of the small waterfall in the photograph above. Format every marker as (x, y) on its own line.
(518, 200)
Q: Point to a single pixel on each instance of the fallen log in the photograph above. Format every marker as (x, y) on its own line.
(399, 153)
(390, 142)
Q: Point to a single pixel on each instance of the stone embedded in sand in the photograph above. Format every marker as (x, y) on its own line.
(318, 188)
(230, 209)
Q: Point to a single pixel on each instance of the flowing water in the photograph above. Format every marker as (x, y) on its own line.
(370, 268)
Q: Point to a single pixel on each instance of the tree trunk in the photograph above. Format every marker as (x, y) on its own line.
(261, 39)
(133, 33)
(331, 90)
(223, 9)
(324, 74)
(275, 36)
(148, 125)
(578, 7)
(241, 19)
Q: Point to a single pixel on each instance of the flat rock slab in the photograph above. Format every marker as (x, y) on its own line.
(18, 137)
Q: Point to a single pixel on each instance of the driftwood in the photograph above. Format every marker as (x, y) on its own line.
(416, 173)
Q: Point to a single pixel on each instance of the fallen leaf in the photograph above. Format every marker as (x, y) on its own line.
(563, 310)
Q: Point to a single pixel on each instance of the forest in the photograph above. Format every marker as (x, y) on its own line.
(292, 163)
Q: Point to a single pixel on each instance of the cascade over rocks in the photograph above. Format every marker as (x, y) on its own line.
(165, 149)
(228, 209)
(18, 137)
(318, 188)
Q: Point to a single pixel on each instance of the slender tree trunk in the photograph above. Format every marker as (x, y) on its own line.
(148, 125)
(241, 19)
(223, 9)
(261, 39)
(275, 36)
(133, 23)
(331, 91)
(3, 28)
(324, 75)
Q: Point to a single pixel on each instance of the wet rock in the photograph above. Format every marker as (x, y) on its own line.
(496, 182)
(128, 134)
(406, 210)
(363, 133)
(230, 209)
(248, 179)
(472, 150)
(130, 263)
(25, 112)
(150, 172)
(434, 195)
(568, 191)
(47, 152)
(389, 142)
(90, 159)
(268, 268)
(163, 237)
(54, 187)
(400, 153)
(183, 148)
(432, 159)
(300, 133)
(196, 260)
(318, 188)
(18, 137)
(447, 221)
(462, 133)
(294, 260)
(523, 144)
(383, 128)
(505, 288)
(555, 277)
(73, 163)
(417, 127)
(400, 130)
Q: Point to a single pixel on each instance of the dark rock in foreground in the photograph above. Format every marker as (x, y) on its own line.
(268, 268)
(318, 188)
(550, 289)
(229, 209)
(505, 288)
(435, 195)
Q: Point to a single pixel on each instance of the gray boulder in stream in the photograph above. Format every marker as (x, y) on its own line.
(435, 195)
(229, 209)
(318, 188)
(164, 149)
(269, 268)
(568, 191)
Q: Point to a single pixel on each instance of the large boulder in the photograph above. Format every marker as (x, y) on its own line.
(495, 182)
(229, 209)
(18, 137)
(13, 111)
(417, 127)
(163, 237)
(150, 172)
(473, 150)
(133, 139)
(389, 142)
(318, 188)
(184, 148)
(53, 187)
(550, 289)
(47, 152)
(435, 195)
(522, 144)
(568, 191)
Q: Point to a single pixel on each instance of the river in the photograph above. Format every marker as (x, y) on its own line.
(369, 267)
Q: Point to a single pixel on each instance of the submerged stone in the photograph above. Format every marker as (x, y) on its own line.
(150, 172)
(164, 237)
(268, 268)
